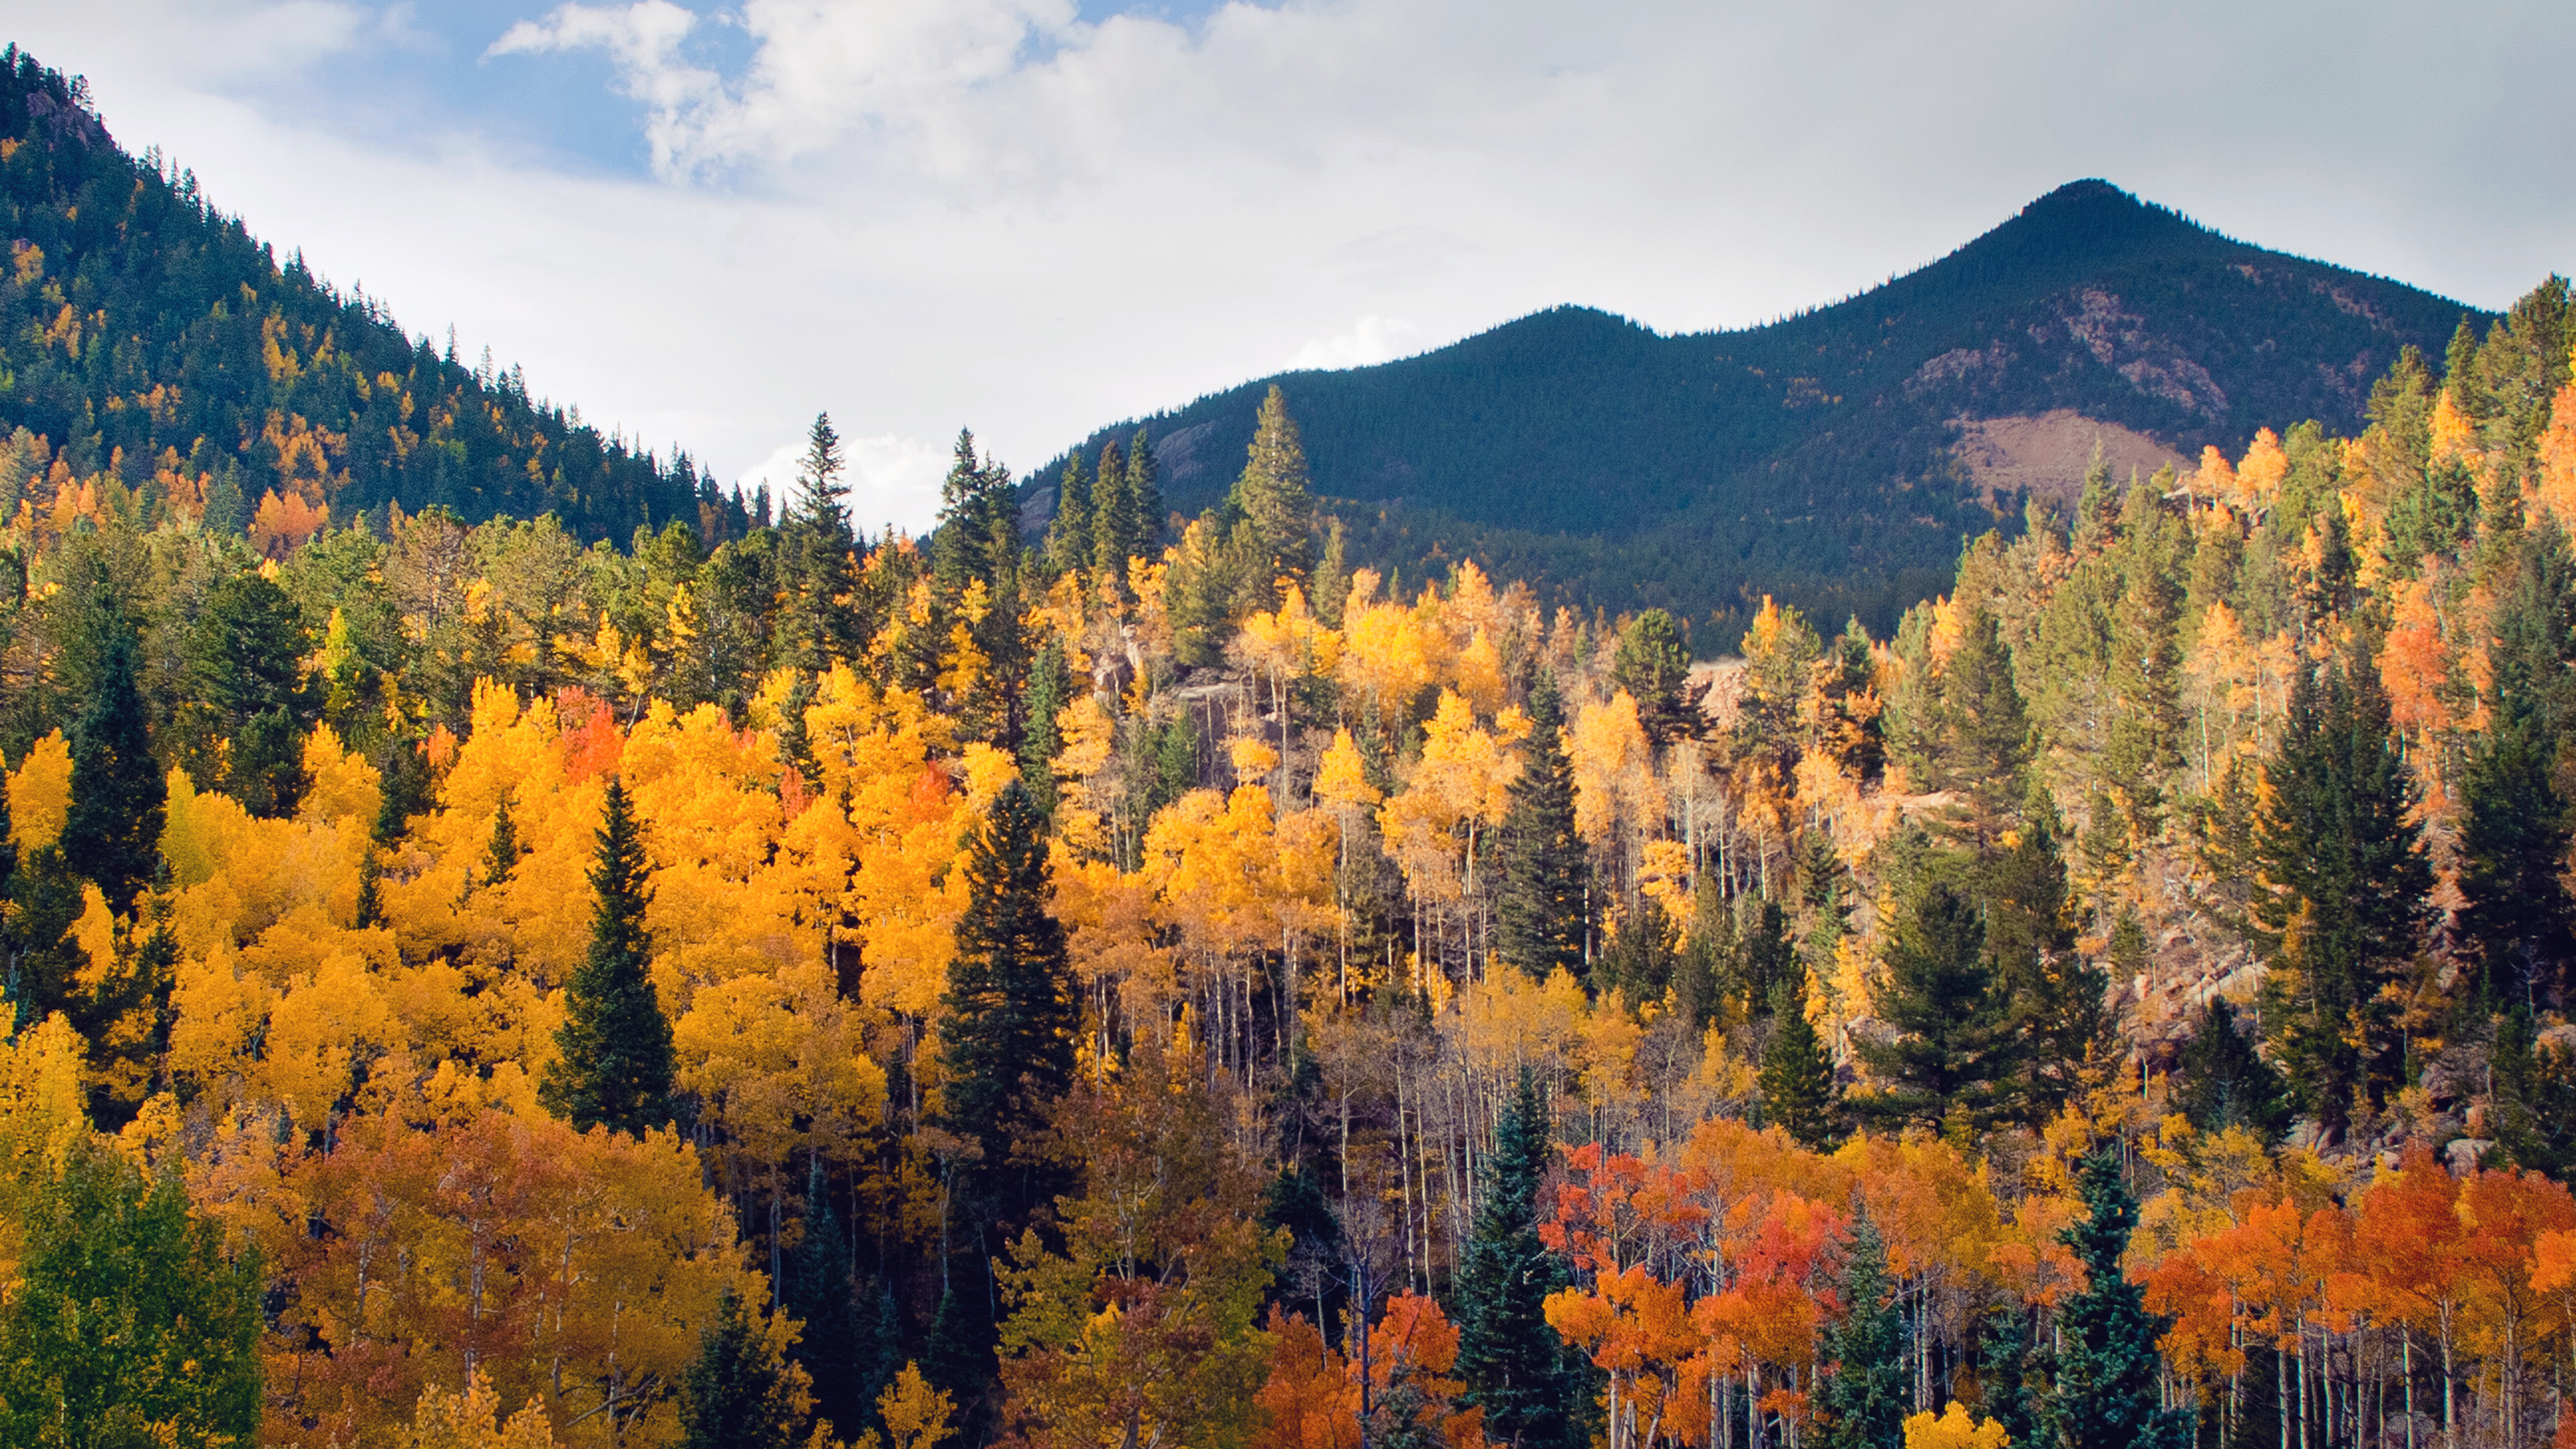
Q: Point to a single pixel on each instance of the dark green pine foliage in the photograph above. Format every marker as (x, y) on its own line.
(614, 1049)
(819, 623)
(2104, 1394)
(1117, 528)
(408, 791)
(2532, 1096)
(2518, 824)
(1049, 689)
(2226, 1083)
(1144, 484)
(1539, 916)
(1509, 1359)
(821, 1292)
(1765, 961)
(2006, 1373)
(736, 1394)
(370, 908)
(1862, 1398)
(501, 855)
(2061, 999)
(1980, 733)
(1270, 497)
(1069, 547)
(112, 835)
(1956, 1048)
(245, 669)
(1006, 1044)
(1652, 663)
(1799, 1095)
(127, 1316)
(2344, 887)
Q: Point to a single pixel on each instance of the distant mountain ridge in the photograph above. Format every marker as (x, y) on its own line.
(1815, 457)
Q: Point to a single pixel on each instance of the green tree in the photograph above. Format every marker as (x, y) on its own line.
(1117, 527)
(1541, 906)
(501, 854)
(2514, 838)
(1980, 731)
(1069, 544)
(1799, 1095)
(818, 622)
(614, 1063)
(2060, 999)
(736, 1393)
(2143, 747)
(129, 1325)
(113, 833)
(1006, 1041)
(1653, 663)
(1862, 1399)
(834, 1348)
(251, 701)
(1272, 499)
(2343, 885)
(1049, 690)
(1956, 1047)
(1511, 1362)
(2225, 1082)
(2532, 1095)
(2105, 1392)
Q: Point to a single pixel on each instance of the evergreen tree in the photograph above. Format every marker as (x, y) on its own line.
(1049, 689)
(1006, 1044)
(1069, 547)
(1653, 664)
(2514, 840)
(113, 833)
(1862, 1399)
(1980, 731)
(2343, 890)
(2144, 679)
(1509, 1358)
(2532, 1096)
(1956, 1048)
(369, 910)
(501, 855)
(1799, 1095)
(2225, 1082)
(2005, 1372)
(1540, 908)
(251, 704)
(736, 1394)
(127, 1324)
(818, 621)
(1765, 961)
(2061, 1000)
(2104, 1394)
(1271, 497)
(1117, 529)
(821, 1293)
(1144, 484)
(615, 1061)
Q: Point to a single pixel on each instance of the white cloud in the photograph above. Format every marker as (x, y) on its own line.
(1371, 339)
(925, 213)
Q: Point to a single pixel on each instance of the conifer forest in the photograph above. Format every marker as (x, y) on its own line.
(1148, 982)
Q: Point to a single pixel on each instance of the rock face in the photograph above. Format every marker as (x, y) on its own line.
(2047, 455)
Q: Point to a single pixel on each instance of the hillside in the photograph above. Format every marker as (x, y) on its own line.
(1816, 457)
(144, 333)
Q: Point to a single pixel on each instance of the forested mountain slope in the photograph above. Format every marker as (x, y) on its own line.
(145, 334)
(1811, 458)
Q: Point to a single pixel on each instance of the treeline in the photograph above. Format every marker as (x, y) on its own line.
(149, 338)
(476, 989)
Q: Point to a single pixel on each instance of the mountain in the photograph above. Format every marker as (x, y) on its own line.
(1836, 457)
(145, 334)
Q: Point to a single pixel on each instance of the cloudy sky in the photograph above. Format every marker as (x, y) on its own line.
(705, 222)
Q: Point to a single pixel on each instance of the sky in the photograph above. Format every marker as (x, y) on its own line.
(705, 223)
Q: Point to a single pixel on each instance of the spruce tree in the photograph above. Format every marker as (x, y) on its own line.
(1540, 908)
(818, 620)
(614, 1059)
(2344, 887)
(2104, 1394)
(501, 853)
(1799, 1095)
(736, 1394)
(113, 832)
(821, 1293)
(1509, 1358)
(2060, 1000)
(1272, 497)
(2514, 839)
(1862, 1398)
(1956, 1047)
(1049, 690)
(1652, 663)
(1006, 1042)
(1980, 732)
(2224, 1082)
(2531, 1096)
(1144, 484)
(1069, 537)
(1117, 531)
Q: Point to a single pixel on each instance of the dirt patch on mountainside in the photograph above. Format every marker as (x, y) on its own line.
(2047, 455)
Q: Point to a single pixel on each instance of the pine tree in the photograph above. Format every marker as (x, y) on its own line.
(1272, 497)
(113, 833)
(818, 622)
(2343, 890)
(1049, 689)
(1006, 1043)
(1117, 530)
(2143, 747)
(1956, 1048)
(501, 855)
(1540, 908)
(1980, 732)
(1799, 1095)
(2518, 824)
(614, 1062)
(2532, 1096)
(1069, 546)
(2105, 1393)
(2004, 1364)
(821, 1293)
(2225, 1083)
(2060, 999)
(1144, 484)
(1508, 1357)
(1653, 664)
(736, 1394)
(1861, 1401)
